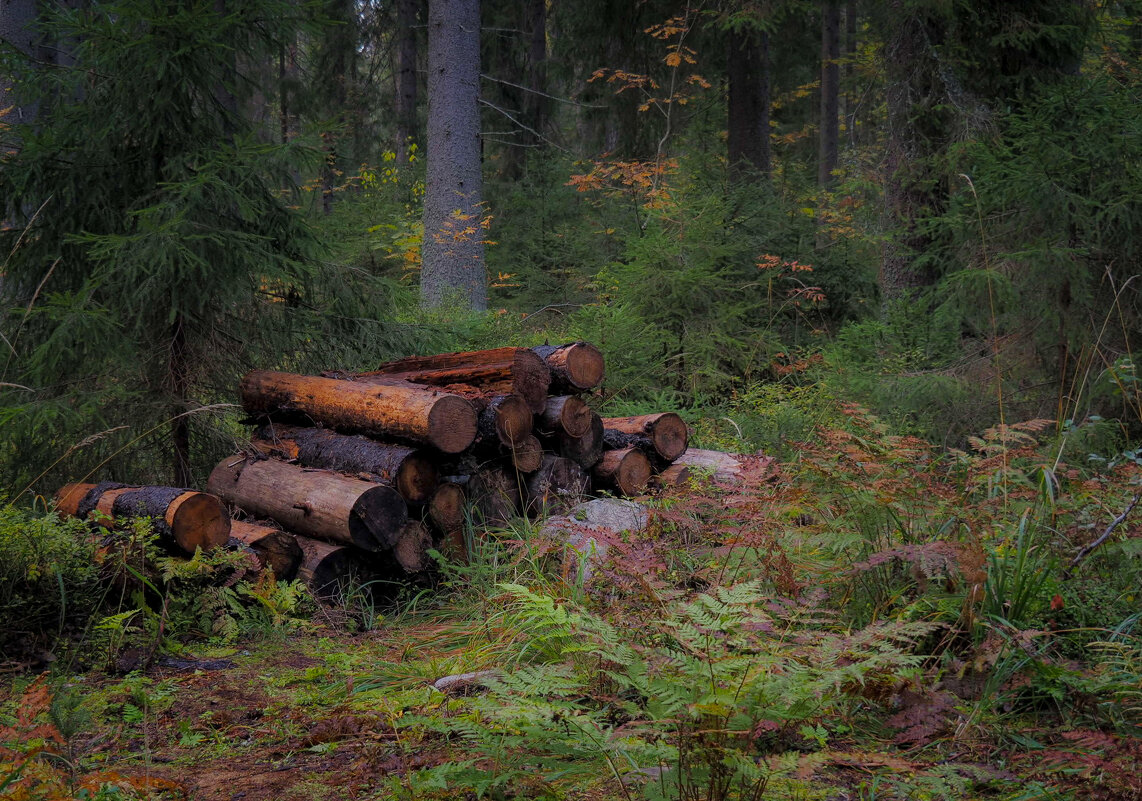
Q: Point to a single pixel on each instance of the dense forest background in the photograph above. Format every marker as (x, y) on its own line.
(928, 207)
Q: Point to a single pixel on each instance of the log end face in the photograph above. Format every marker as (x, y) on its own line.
(377, 518)
(585, 365)
(417, 477)
(576, 417)
(200, 521)
(532, 378)
(513, 419)
(671, 436)
(634, 473)
(527, 454)
(452, 424)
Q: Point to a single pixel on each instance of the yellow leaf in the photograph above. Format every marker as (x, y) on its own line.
(673, 59)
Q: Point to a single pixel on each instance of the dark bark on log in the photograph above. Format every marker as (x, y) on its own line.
(494, 495)
(587, 449)
(565, 414)
(395, 409)
(505, 371)
(666, 431)
(408, 470)
(574, 367)
(183, 518)
(627, 471)
(316, 503)
(558, 485)
(275, 549)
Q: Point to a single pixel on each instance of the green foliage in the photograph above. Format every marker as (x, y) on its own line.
(706, 702)
(48, 580)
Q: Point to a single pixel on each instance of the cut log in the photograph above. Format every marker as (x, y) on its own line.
(317, 503)
(494, 495)
(396, 409)
(527, 454)
(558, 485)
(446, 512)
(507, 371)
(409, 470)
(724, 467)
(627, 471)
(327, 568)
(565, 414)
(587, 449)
(506, 418)
(676, 475)
(275, 549)
(411, 549)
(666, 432)
(183, 518)
(574, 367)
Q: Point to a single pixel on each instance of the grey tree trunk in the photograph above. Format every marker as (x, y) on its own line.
(17, 28)
(747, 146)
(827, 151)
(452, 255)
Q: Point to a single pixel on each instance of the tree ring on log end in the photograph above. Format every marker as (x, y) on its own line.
(585, 365)
(670, 436)
(451, 424)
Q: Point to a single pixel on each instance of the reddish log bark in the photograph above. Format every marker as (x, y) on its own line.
(396, 409)
(558, 485)
(275, 549)
(505, 371)
(409, 470)
(627, 471)
(317, 503)
(666, 432)
(574, 367)
(183, 518)
(565, 414)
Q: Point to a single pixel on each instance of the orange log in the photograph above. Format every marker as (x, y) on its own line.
(627, 471)
(275, 549)
(396, 409)
(665, 433)
(501, 370)
(565, 414)
(317, 503)
(574, 367)
(184, 518)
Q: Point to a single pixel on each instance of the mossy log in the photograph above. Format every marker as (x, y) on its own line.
(665, 434)
(574, 367)
(408, 470)
(317, 503)
(627, 471)
(183, 518)
(387, 409)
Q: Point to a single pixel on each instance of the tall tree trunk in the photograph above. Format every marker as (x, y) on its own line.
(178, 370)
(830, 93)
(747, 146)
(406, 77)
(452, 255)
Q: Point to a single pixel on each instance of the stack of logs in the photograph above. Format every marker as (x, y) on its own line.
(367, 471)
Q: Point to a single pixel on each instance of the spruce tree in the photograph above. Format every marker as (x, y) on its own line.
(153, 243)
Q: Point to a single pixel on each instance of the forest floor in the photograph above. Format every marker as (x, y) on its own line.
(815, 632)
